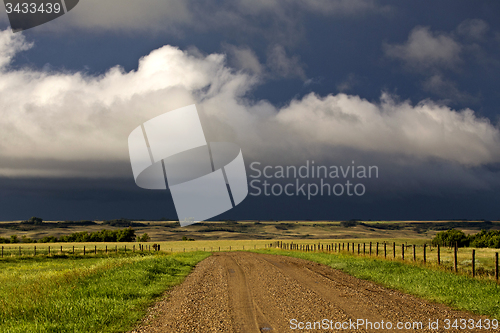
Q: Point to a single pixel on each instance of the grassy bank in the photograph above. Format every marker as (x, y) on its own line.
(458, 291)
(93, 294)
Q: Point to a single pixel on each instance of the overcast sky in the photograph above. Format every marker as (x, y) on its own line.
(410, 87)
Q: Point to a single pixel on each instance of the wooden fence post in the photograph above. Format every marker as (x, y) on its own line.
(34, 251)
(364, 248)
(425, 259)
(116, 249)
(456, 263)
(439, 254)
(95, 249)
(370, 248)
(352, 248)
(473, 263)
(496, 266)
(73, 249)
(2, 251)
(377, 250)
(385, 250)
(348, 247)
(358, 247)
(20, 251)
(49, 250)
(61, 250)
(83, 250)
(106, 249)
(394, 250)
(403, 251)
(414, 253)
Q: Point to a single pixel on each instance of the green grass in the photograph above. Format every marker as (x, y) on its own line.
(93, 294)
(459, 291)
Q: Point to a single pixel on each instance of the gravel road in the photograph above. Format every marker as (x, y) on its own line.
(246, 292)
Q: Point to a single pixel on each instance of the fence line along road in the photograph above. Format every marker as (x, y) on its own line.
(349, 248)
(450, 254)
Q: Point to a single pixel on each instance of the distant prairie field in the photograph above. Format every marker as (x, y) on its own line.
(251, 230)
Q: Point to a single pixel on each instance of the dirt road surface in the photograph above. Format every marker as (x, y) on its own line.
(244, 292)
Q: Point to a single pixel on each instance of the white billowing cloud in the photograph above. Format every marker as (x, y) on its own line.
(61, 117)
(73, 124)
(278, 65)
(425, 130)
(435, 54)
(283, 65)
(129, 15)
(243, 58)
(425, 49)
(9, 46)
(349, 83)
(440, 86)
(343, 6)
(474, 29)
(324, 7)
(173, 16)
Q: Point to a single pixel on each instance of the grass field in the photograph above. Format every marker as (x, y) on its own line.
(458, 291)
(91, 294)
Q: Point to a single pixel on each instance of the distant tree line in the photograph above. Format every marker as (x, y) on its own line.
(121, 222)
(484, 238)
(122, 235)
(33, 220)
(350, 223)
